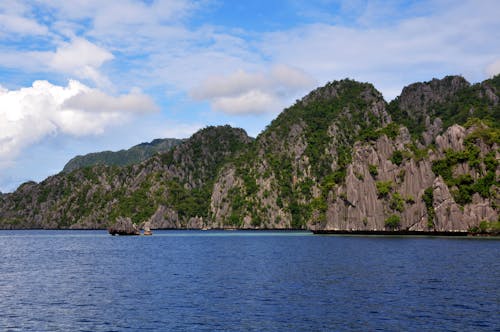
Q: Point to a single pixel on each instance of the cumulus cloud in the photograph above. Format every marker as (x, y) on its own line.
(29, 114)
(253, 92)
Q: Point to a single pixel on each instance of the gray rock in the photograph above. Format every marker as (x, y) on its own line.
(123, 226)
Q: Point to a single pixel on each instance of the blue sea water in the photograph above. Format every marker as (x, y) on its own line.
(246, 281)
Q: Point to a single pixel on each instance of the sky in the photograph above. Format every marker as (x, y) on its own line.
(83, 76)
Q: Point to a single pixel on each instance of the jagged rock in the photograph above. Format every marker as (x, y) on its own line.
(123, 226)
(195, 223)
(453, 138)
(417, 98)
(315, 166)
(432, 130)
(164, 218)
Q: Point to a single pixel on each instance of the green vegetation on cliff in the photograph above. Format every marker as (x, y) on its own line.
(134, 155)
(334, 159)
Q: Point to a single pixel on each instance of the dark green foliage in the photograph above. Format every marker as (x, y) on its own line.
(134, 155)
(372, 134)
(345, 107)
(391, 130)
(300, 214)
(319, 204)
(397, 203)
(256, 220)
(328, 184)
(490, 161)
(410, 199)
(306, 186)
(418, 154)
(485, 131)
(443, 167)
(486, 227)
(393, 222)
(373, 170)
(428, 198)
(234, 220)
(44, 194)
(250, 184)
(401, 175)
(384, 188)
(89, 174)
(461, 104)
(329, 121)
(484, 184)
(397, 157)
(464, 185)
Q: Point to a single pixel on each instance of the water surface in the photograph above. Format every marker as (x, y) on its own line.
(250, 281)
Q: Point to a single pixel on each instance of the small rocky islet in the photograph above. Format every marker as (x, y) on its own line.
(340, 159)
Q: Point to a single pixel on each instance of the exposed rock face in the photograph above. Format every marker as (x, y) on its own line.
(357, 205)
(123, 226)
(417, 98)
(172, 190)
(339, 159)
(165, 218)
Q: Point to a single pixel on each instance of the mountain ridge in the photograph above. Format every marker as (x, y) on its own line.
(124, 157)
(335, 160)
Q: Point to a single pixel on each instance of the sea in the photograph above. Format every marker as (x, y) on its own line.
(246, 281)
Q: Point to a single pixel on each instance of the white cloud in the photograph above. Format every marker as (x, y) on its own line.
(250, 102)
(82, 59)
(180, 130)
(78, 58)
(29, 114)
(451, 40)
(16, 19)
(13, 24)
(251, 93)
(493, 68)
(97, 101)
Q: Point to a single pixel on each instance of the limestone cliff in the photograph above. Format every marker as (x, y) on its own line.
(341, 158)
(337, 161)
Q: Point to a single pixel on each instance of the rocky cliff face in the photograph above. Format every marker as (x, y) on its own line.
(339, 159)
(172, 189)
(336, 161)
(378, 187)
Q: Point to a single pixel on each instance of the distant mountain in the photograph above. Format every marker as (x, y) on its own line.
(134, 155)
(341, 158)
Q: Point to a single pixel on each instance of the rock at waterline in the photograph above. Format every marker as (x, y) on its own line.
(123, 226)
(147, 228)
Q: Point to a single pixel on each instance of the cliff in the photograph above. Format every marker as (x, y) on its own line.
(341, 158)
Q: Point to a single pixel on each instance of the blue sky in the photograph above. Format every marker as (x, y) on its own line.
(91, 75)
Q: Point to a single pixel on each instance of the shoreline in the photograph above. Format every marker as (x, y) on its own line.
(314, 232)
(405, 233)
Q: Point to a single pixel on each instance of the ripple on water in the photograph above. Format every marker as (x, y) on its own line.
(251, 281)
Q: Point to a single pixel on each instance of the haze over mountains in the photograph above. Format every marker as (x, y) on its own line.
(134, 155)
(340, 158)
